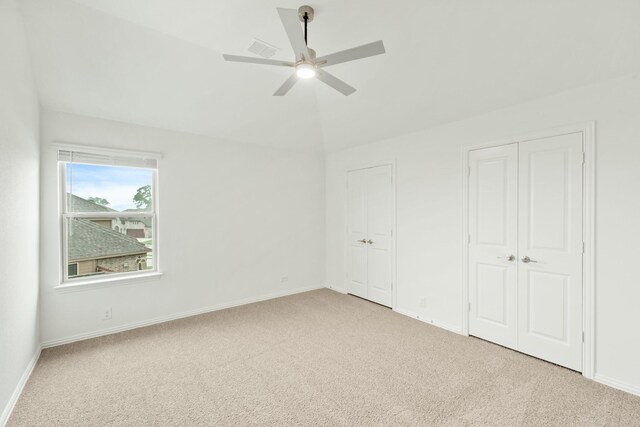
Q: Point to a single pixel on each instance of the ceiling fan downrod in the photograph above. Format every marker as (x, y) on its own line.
(306, 20)
(306, 14)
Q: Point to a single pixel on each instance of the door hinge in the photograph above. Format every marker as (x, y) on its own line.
(469, 308)
(469, 171)
(583, 337)
(582, 247)
(468, 238)
(584, 157)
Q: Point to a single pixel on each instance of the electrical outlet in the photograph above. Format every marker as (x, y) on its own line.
(284, 279)
(423, 302)
(106, 314)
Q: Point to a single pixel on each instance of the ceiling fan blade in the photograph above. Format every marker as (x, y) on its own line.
(291, 23)
(364, 51)
(335, 83)
(252, 60)
(288, 84)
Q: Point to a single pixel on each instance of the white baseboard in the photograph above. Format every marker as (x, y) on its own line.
(167, 318)
(429, 321)
(603, 379)
(18, 390)
(335, 288)
(406, 313)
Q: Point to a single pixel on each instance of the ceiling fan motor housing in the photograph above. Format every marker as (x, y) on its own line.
(310, 60)
(312, 55)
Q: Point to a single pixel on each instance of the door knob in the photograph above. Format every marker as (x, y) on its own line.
(370, 242)
(362, 241)
(508, 258)
(527, 260)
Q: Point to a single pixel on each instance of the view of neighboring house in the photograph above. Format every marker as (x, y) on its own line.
(95, 249)
(132, 226)
(105, 245)
(138, 227)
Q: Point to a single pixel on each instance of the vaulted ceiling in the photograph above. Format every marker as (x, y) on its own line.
(159, 62)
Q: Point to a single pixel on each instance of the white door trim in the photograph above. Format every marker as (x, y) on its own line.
(588, 130)
(368, 165)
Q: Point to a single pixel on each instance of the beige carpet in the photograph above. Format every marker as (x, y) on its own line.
(318, 358)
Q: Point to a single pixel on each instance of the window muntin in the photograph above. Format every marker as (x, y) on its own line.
(109, 218)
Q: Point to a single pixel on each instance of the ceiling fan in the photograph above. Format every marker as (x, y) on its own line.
(306, 64)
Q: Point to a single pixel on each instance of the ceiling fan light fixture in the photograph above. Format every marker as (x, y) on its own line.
(305, 70)
(307, 65)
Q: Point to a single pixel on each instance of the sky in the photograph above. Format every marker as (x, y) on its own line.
(115, 183)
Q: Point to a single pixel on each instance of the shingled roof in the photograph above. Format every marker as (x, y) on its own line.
(78, 204)
(88, 240)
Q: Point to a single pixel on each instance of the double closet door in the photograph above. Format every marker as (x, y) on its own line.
(526, 247)
(369, 234)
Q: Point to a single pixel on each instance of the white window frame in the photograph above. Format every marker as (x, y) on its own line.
(64, 216)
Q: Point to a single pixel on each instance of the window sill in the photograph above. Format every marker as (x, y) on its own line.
(83, 285)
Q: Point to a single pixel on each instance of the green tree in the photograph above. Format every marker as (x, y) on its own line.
(142, 199)
(99, 201)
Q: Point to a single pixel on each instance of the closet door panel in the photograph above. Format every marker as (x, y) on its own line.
(493, 244)
(550, 249)
(357, 233)
(379, 241)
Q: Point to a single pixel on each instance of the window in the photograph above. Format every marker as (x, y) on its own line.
(108, 214)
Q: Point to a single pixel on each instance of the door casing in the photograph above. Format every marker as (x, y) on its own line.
(588, 130)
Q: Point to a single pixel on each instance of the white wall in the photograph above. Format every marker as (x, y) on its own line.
(234, 219)
(430, 212)
(19, 157)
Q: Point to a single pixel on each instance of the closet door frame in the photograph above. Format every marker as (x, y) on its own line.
(588, 130)
(369, 165)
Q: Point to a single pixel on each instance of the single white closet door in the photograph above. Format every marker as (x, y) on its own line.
(551, 249)
(493, 266)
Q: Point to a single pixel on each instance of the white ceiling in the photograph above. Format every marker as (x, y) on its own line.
(158, 62)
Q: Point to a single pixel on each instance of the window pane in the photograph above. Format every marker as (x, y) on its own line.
(102, 246)
(73, 270)
(97, 188)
